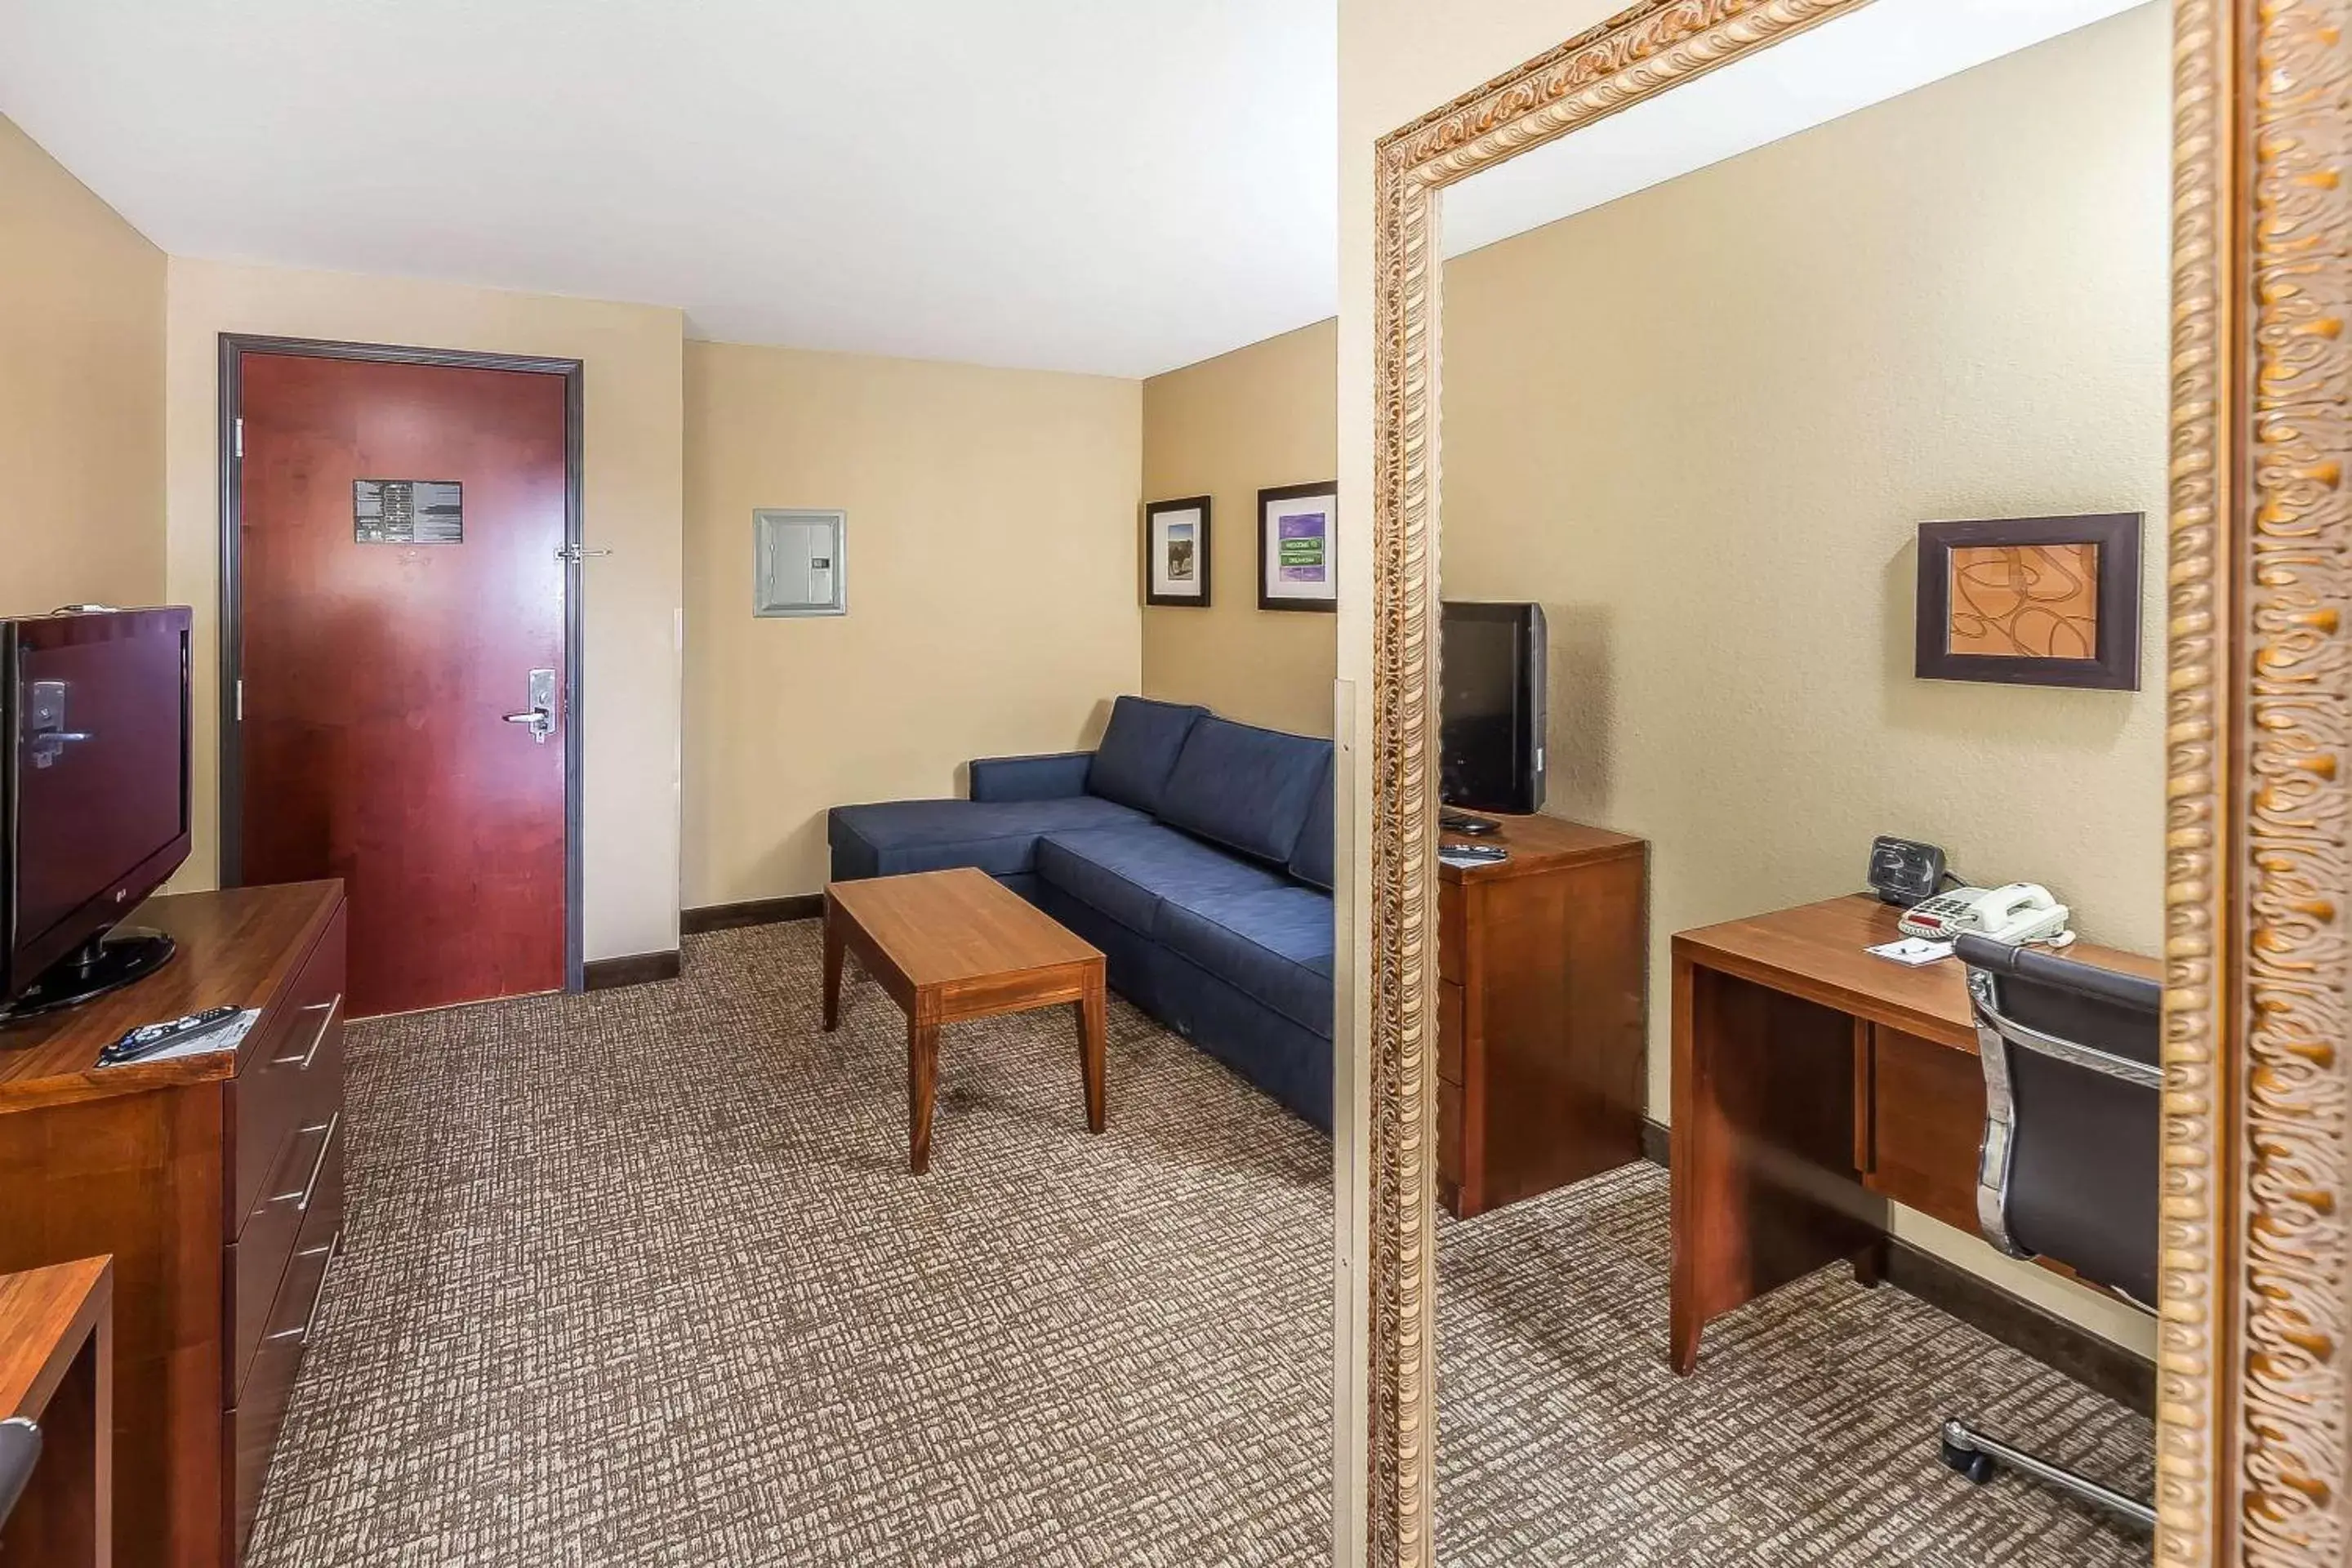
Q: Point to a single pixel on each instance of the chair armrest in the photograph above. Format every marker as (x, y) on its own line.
(1052, 778)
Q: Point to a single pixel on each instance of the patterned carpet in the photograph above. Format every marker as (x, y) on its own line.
(640, 1278)
(1806, 1436)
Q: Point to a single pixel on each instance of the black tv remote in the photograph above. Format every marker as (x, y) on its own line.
(1484, 853)
(149, 1038)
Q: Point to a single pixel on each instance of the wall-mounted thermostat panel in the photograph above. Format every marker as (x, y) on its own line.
(797, 563)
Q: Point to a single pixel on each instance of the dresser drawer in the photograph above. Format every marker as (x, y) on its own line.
(301, 1205)
(1450, 931)
(252, 1423)
(1926, 1123)
(1449, 1031)
(290, 1076)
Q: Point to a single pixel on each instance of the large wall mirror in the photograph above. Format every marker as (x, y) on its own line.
(1743, 1186)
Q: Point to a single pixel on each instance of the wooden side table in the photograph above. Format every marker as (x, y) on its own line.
(951, 945)
(57, 1354)
(1542, 1012)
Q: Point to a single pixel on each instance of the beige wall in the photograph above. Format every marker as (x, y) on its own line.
(992, 586)
(630, 498)
(1226, 428)
(81, 393)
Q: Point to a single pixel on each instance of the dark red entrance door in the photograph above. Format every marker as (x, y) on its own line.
(400, 581)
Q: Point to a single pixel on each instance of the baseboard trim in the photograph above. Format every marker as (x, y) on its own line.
(636, 969)
(752, 912)
(2091, 1360)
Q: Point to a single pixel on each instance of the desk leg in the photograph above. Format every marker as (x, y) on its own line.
(1765, 1188)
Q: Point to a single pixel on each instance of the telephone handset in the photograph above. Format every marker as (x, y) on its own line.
(2016, 912)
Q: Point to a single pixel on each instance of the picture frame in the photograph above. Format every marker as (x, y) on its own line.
(2031, 601)
(1176, 554)
(1297, 547)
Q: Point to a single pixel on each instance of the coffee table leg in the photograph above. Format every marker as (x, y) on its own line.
(831, 965)
(923, 1077)
(1090, 1053)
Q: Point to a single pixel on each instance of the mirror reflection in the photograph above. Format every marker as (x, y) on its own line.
(1805, 465)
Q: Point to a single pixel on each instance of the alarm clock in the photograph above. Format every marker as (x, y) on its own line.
(1904, 871)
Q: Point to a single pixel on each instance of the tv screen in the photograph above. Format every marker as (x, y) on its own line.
(96, 795)
(1491, 707)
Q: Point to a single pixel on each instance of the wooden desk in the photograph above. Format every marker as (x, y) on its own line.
(56, 1371)
(214, 1180)
(1812, 1083)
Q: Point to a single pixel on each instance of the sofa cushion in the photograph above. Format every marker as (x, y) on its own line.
(1310, 862)
(999, 837)
(1274, 945)
(1247, 788)
(1125, 871)
(1138, 751)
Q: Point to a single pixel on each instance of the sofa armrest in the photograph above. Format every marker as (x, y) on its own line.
(1053, 777)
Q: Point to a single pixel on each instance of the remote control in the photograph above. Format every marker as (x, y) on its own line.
(1480, 854)
(149, 1038)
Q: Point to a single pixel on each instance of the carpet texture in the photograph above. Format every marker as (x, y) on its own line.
(1805, 1437)
(640, 1277)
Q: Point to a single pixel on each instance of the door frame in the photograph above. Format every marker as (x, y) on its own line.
(232, 347)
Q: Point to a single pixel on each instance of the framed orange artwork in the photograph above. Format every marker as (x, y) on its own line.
(2031, 601)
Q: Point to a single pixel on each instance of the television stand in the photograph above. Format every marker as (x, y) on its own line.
(106, 962)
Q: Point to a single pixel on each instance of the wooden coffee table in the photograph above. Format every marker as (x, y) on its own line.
(951, 945)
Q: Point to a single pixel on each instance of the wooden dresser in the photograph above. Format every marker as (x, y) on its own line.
(1541, 1012)
(215, 1181)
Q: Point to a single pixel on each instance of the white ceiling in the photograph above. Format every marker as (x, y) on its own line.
(1120, 186)
(1882, 51)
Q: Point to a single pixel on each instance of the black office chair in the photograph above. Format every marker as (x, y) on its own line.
(20, 1450)
(2069, 1165)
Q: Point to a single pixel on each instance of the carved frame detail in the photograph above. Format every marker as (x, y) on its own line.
(2253, 1447)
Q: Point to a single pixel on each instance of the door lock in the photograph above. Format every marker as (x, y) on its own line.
(541, 714)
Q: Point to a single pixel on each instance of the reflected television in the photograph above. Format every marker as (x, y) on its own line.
(1491, 707)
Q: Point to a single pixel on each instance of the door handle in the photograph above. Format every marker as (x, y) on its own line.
(541, 714)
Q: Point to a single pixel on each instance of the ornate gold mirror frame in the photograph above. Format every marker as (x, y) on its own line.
(2252, 1441)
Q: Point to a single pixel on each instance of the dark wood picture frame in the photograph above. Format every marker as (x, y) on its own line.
(1152, 513)
(2114, 664)
(1266, 601)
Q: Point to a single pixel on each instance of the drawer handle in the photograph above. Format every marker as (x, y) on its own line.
(317, 1164)
(301, 1062)
(302, 1335)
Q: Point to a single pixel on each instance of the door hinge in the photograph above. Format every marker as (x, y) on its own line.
(575, 553)
(240, 436)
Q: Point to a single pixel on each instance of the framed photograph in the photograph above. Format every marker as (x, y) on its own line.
(1176, 553)
(1298, 535)
(2031, 601)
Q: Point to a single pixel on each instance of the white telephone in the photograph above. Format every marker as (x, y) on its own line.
(2016, 912)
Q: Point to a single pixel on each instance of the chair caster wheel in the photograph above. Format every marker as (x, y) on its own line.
(1976, 1465)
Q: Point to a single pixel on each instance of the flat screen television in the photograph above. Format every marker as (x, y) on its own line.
(94, 799)
(1490, 716)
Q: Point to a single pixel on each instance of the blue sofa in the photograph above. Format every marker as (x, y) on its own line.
(1195, 852)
